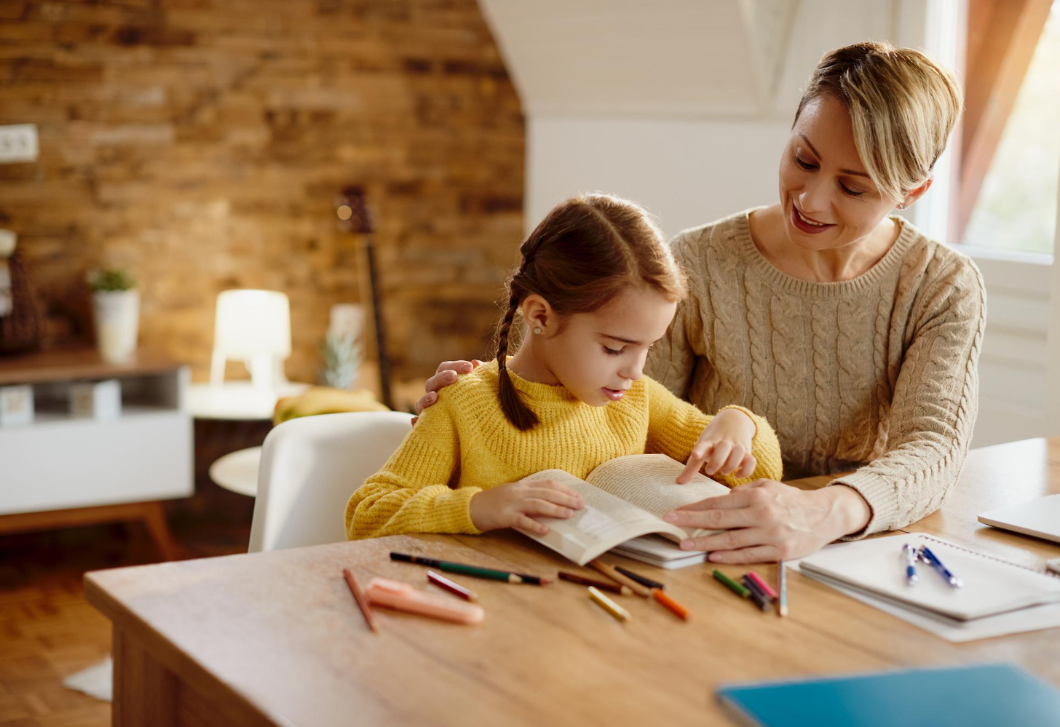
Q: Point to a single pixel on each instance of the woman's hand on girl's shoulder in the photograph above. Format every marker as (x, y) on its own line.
(446, 373)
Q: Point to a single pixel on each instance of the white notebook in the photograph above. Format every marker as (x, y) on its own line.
(1040, 518)
(877, 566)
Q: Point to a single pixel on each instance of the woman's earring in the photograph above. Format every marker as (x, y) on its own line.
(901, 206)
(537, 331)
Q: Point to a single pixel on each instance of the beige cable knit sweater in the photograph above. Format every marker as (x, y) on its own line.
(877, 374)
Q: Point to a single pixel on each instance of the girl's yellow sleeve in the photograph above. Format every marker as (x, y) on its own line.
(411, 494)
(674, 427)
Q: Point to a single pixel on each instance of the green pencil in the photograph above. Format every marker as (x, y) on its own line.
(471, 570)
(732, 585)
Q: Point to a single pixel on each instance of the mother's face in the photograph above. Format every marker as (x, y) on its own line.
(828, 199)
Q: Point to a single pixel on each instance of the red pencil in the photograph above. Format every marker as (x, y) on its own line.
(359, 597)
(448, 585)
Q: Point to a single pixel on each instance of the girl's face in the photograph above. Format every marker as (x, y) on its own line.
(597, 356)
(828, 199)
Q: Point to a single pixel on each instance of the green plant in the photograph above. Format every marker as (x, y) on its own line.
(343, 356)
(109, 280)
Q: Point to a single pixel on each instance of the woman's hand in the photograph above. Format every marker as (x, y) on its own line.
(767, 521)
(724, 446)
(445, 374)
(515, 505)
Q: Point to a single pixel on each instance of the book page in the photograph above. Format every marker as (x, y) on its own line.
(603, 523)
(649, 482)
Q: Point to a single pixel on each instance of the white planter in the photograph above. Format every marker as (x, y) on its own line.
(117, 316)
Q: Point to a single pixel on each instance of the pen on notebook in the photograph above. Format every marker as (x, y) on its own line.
(761, 583)
(782, 610)
(932, 560)
(610, 572)
(360, 598)
(910, 554)
(643, 580)
(608, 605)
(601, 585)
(676, 608)
(732, 585)
(443, 582)
(471, 570)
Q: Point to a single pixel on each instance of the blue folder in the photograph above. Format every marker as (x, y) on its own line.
(985, 695)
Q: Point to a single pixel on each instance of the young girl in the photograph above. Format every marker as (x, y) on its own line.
(597, 286)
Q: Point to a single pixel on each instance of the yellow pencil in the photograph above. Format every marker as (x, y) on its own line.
(608, 605)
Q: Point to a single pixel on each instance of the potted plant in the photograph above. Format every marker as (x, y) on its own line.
(116, 309)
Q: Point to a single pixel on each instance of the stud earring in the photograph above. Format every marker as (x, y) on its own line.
(901, 206)
(537, 331)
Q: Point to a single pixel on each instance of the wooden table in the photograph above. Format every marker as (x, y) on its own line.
(275, 638)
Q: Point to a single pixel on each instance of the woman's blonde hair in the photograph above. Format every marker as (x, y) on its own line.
(585, 252)
(902, 105)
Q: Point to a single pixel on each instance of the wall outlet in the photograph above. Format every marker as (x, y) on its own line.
(18, 143)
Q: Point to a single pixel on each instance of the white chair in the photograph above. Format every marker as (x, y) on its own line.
(310, 467)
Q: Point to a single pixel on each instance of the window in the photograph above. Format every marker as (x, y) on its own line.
(1015, 208)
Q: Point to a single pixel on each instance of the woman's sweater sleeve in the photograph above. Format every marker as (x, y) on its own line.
(935, 402)
(674, 427)
(411, 493)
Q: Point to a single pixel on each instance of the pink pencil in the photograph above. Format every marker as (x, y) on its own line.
(762, 584)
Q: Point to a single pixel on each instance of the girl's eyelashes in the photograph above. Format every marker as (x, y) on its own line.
(613, 352)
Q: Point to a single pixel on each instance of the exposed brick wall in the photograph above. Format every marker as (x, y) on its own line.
(201, 143)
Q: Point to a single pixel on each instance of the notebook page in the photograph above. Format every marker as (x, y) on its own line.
(990, 586)
(603, 523)
(648, 481)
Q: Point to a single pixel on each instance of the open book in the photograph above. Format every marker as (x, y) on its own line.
(624, 499)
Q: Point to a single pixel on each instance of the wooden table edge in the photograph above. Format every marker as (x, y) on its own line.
(237, 707)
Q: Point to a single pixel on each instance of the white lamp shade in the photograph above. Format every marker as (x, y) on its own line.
(252, 322)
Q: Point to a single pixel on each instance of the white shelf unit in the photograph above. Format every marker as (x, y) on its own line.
(61, 462)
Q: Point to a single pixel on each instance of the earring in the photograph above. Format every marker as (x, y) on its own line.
(537, 331)
(901, 206)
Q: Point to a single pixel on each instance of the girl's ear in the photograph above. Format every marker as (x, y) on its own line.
(539, 316)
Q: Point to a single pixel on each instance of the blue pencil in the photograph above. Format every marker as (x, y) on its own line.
(783, 610)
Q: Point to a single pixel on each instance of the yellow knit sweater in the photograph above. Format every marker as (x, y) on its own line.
(463, 445)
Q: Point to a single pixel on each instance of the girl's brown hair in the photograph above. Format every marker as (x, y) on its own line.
(585, 252)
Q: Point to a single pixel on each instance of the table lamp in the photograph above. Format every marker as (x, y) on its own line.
(253, 326)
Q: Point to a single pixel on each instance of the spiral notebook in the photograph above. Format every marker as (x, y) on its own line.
(877, 567)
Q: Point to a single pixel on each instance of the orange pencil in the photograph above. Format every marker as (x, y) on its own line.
(362, 601)
(678, 610)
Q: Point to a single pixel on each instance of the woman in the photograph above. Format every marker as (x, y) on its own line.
(853, 333)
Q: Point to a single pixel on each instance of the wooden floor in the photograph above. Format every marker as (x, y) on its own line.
(48, 631)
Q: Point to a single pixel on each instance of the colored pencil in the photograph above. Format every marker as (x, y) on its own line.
(732, 585)
(361, 599)
(610, 572)
(754, 588)
(443, 582)
(678, 610)
(643, 580)
(783, 610)
(761, 600)
(608, 605)
(471, 570)
(761, 583)
(601, 585)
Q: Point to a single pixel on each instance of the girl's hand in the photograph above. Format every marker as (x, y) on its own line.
(516, 504)
(724, 446)
(445, 374)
